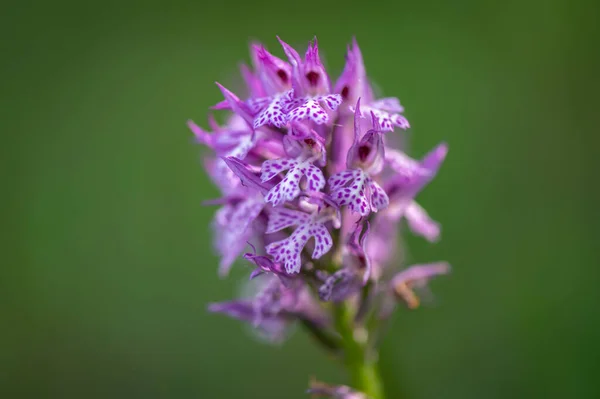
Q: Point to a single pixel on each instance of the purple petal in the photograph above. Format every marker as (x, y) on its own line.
(404, 165)
(232, 230)
(420, 223)
(402, 190)
(272, 327)
(237, 105)
(248, 178)
(389, 104)
(370, 151)
(353, 80)
(202, 136)
(353, 151)
(221, 106)
(241, 310)
(266, 265)
(357, 247)
(276, 111)
(385, 119)
(420, 273)
(415, 276)
(379, 199)
(274, 73)
(340, 285)
(315, 77)
(295, 61)
(253, 82)
(334, 391)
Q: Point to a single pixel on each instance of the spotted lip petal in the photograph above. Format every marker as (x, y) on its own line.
(358, 191)
(276, 111)
(387, 120)
(288, 188)
(310, 108)
(289, 249)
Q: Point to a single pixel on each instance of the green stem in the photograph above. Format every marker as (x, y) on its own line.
(360, 363)
(327, 340)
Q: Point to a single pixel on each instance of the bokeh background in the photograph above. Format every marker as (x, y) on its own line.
(107, 262)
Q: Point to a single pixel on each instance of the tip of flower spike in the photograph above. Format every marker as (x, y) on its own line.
(262, 54)
(254, 49)
(356, 53)
(312, 52)
(289, 51)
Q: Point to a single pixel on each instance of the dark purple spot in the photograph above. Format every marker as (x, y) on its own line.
(363, 152)
(345, 92)
(313, 78)
(282, 75)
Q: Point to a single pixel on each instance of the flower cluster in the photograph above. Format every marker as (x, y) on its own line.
(311, 182)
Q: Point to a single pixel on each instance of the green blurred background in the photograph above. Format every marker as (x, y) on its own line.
(107, 263)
